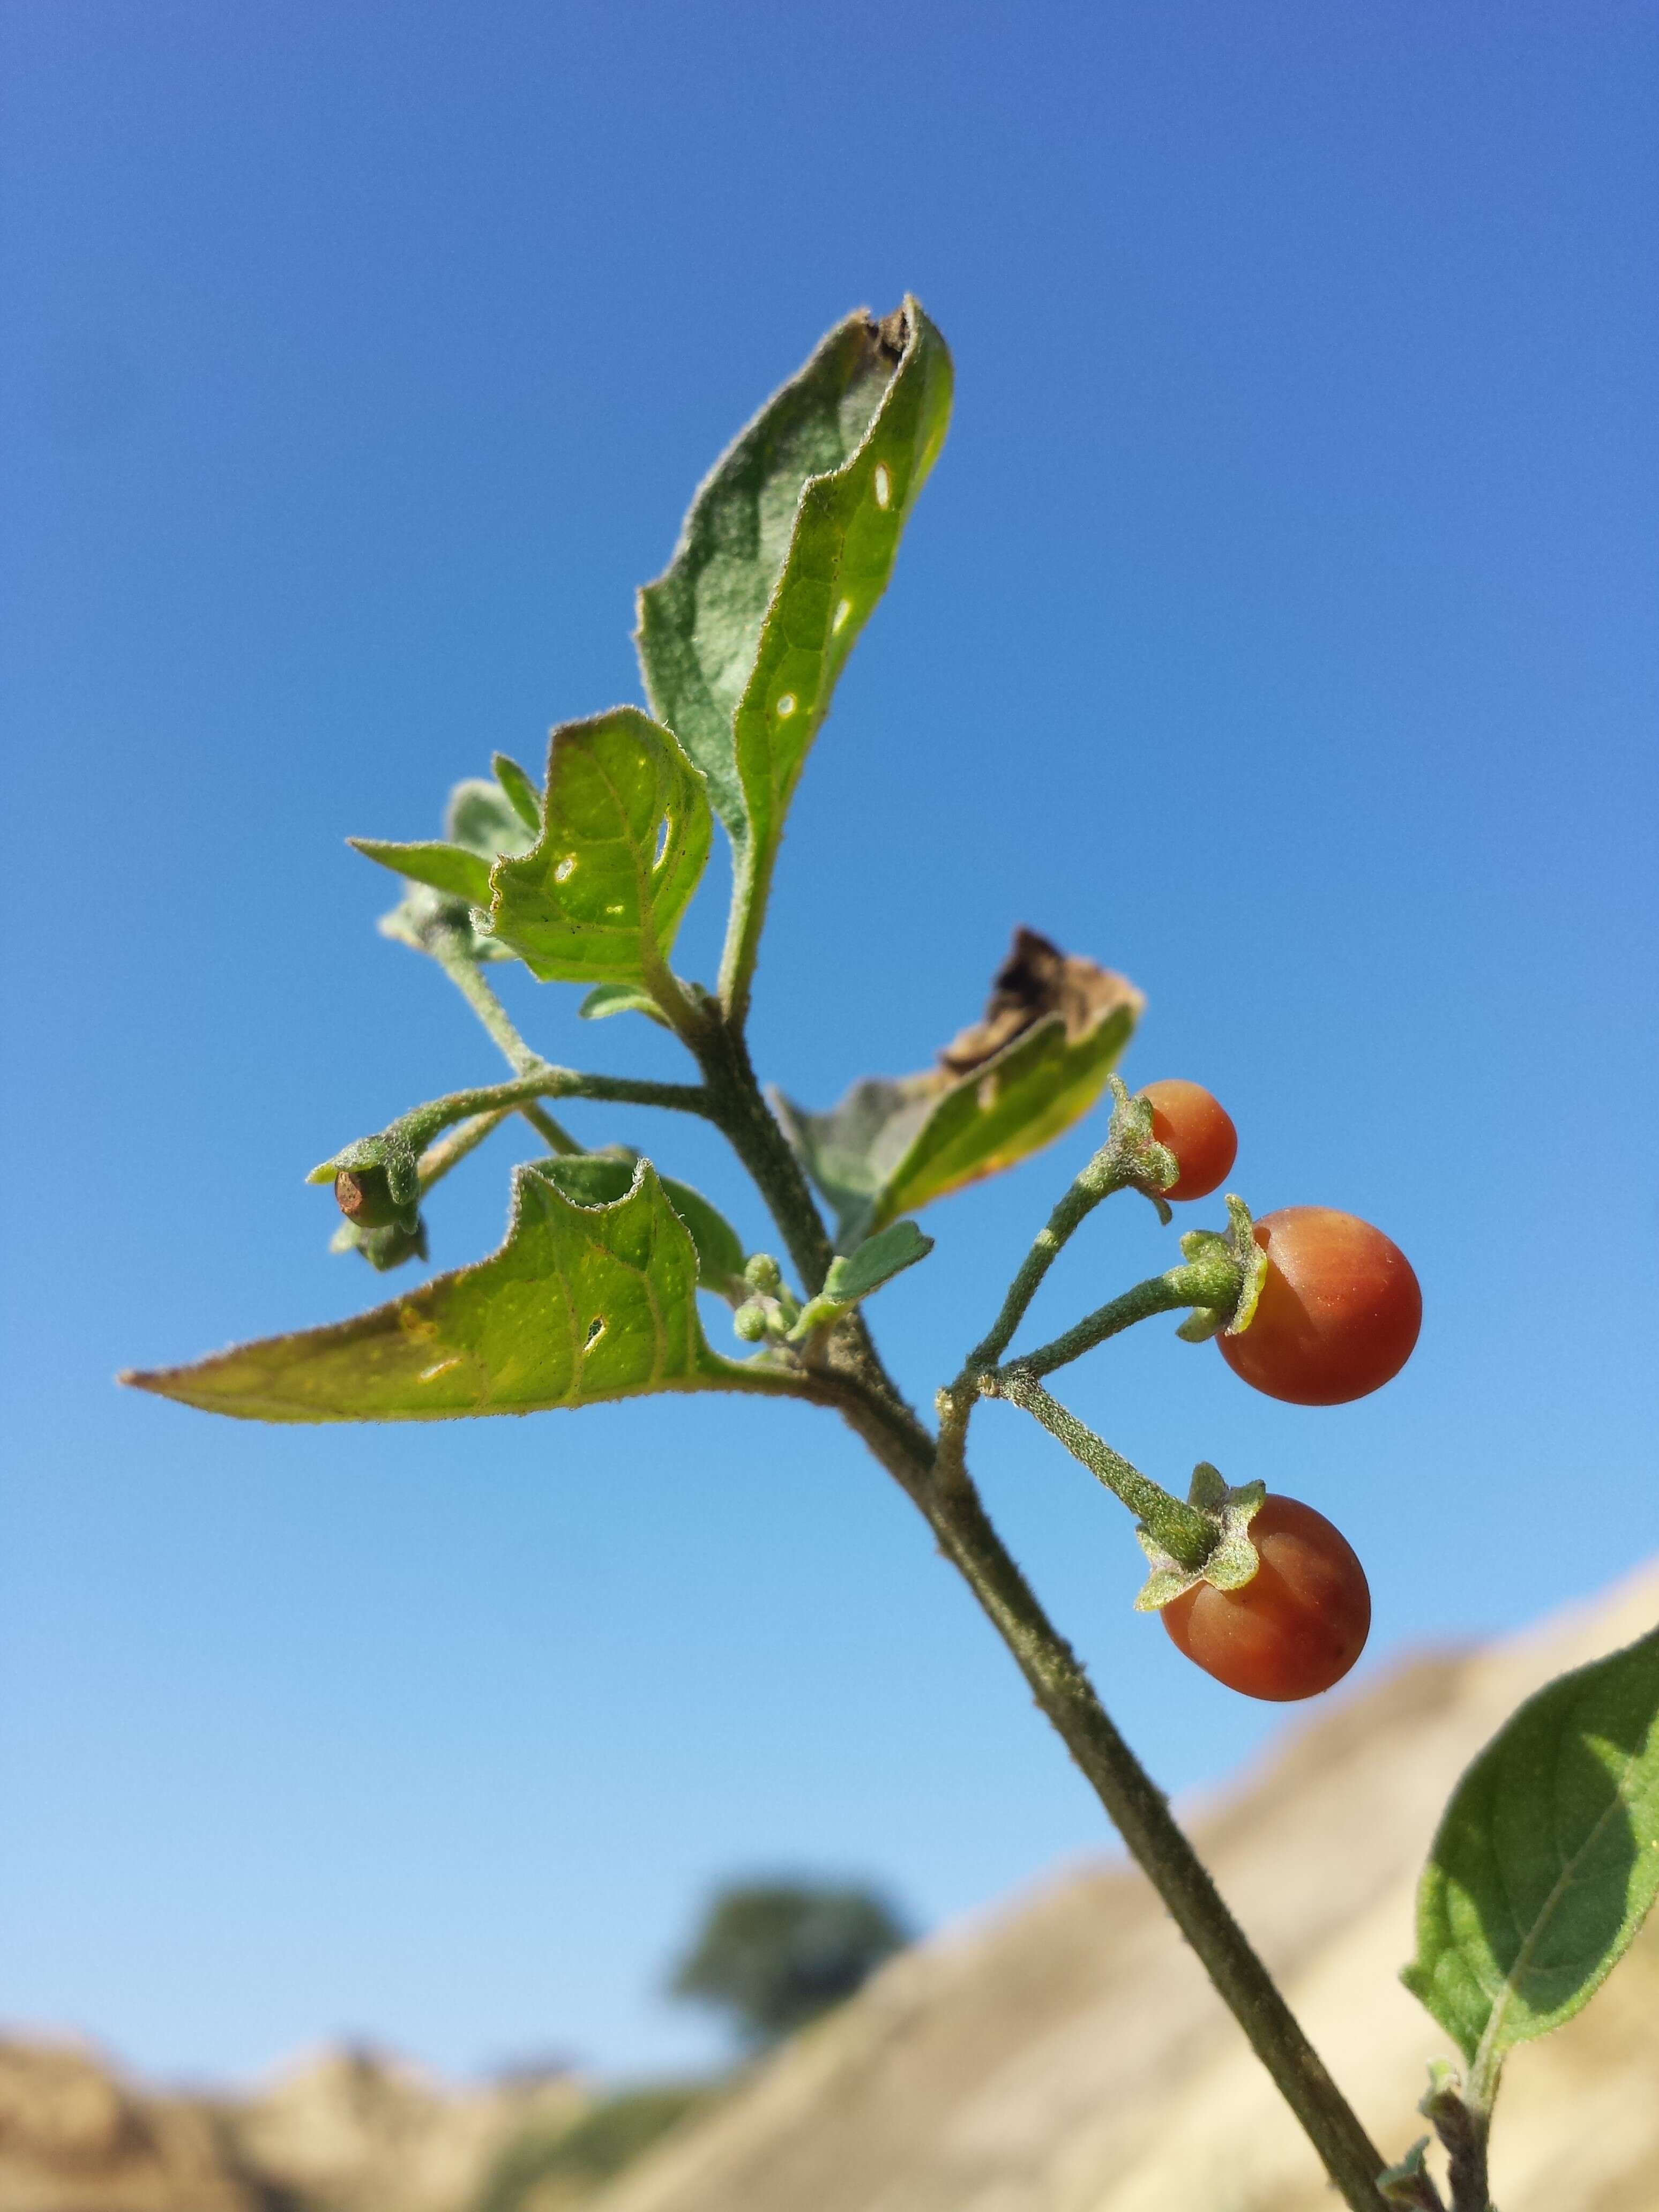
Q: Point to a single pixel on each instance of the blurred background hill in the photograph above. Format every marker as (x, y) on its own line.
(1061, 2054)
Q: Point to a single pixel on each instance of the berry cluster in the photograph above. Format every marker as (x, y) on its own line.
(1338, 1316)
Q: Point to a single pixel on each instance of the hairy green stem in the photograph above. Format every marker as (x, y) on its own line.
(858, 1385)
(463, 972)
(449, 1151)
(422, 1123)
(751, 884)
(1211, 1282)
(553, 1135)
(736, 1107)
(1183, 1532)
(1106, 1173)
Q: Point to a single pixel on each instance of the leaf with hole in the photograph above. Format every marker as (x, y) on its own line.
(789, 544)
(624, 840)
(1546, 1861)
(582, 1303)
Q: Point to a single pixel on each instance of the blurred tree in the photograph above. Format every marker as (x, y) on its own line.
(776, 1954)
(549, 2169)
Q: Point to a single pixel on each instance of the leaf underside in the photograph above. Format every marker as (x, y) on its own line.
(1546, 1859)
(789, 542)
(624, 840)
(582, 1303)
(892, 1146)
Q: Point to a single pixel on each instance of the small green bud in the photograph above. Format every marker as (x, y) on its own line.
(364, 1196)
(762, 1272)
(750, 1322)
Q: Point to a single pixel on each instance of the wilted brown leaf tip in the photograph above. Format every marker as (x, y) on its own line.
(1036, 980)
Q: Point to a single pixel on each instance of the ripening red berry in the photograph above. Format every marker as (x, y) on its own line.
(1296, 1626)
(1339, 1313)
(1198, 1129)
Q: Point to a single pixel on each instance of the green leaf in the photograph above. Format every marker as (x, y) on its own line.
(850, 1279)
(1546, 1861)
(448, 868)
(876, 1261)
(625, 836)
(893, 1145)
(789, 543)
(581, 1304)
(607, 999)
(451, 879)
(521, 793)
(481, 817)
(601, 1178)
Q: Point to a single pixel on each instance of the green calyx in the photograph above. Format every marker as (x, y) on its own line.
(385, 1248)
(377, 1183)
(1241, 1268)
(1233, 1559)
(1131, 1159)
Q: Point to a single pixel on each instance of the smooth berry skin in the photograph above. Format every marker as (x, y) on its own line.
(1198, 1129)
(1297, 1626)
(1338, 1314)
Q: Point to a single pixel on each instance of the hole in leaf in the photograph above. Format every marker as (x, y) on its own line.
(986, 1094)
(842, 613)
(883, 484)
(566, 869)
(662, 839)
(786, 706)
(595, 1331)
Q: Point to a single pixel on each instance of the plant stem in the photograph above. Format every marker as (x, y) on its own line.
(421, 1124)
(751, 884)
(1462, 2120)
(736, 1107)
(436, 1160)
(1104, 1175)
(1197, 1283)
(858, 1385)
(465, 974)
(554, 1134)
(1181, 1530)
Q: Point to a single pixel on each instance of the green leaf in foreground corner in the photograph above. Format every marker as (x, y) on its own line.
(1546, 1861)
(789, 542)
(624, 840)
(1055, 1027)
(581, 1304)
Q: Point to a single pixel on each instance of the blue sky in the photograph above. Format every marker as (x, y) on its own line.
(1277, 627)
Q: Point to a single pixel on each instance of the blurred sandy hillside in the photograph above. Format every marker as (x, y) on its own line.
(1062, 2055)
